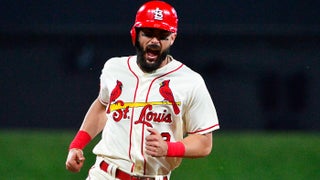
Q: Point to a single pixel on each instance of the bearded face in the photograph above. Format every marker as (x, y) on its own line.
(152, 47)
(151, 51)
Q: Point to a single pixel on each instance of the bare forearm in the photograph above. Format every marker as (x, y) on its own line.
(95, 119)
(92, 125)
(192, 146)
(197, 145)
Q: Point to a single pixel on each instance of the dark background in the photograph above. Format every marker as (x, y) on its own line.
(260, 59)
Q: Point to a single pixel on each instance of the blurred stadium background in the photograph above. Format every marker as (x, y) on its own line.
(260, 59)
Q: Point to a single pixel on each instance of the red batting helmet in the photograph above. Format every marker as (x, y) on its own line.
(155, 14)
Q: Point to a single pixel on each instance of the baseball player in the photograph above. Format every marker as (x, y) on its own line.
(152, 109)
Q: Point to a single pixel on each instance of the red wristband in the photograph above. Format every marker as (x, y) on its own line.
(80, 140)
(176, 149)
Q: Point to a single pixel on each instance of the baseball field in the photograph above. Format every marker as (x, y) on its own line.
(40, 154)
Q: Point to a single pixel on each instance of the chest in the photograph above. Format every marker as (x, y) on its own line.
(160, 94)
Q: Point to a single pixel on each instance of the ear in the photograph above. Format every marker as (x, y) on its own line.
(172, 38)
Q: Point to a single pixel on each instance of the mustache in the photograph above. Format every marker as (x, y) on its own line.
(153, 47)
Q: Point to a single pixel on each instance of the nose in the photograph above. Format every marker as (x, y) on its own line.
(155, 40)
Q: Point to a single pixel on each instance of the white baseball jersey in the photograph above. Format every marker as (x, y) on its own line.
(174, 100)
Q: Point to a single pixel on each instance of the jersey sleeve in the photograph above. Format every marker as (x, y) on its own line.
(106, 82)
(201, 116)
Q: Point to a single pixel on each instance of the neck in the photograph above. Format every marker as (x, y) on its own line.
(166, 61)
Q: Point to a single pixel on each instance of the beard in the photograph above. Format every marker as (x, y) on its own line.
(141, 57)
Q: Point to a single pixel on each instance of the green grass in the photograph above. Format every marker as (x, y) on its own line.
(27, 154)
(257, 156)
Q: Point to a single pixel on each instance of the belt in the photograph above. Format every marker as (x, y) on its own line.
(125, 176)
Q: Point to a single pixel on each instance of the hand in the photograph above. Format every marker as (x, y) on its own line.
(155, 145)
(75, 160)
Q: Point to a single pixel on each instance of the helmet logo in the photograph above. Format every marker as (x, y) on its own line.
(158, 14)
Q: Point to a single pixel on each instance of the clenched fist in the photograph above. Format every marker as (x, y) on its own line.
(75, 160)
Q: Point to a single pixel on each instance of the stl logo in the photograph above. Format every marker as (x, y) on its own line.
(158, 14)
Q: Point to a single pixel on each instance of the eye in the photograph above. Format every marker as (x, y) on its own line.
(146, 34)
(164, 37)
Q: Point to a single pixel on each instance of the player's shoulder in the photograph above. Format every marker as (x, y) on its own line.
(116, 62)
(120, 59)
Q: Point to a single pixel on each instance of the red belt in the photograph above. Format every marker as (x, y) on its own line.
(125, 176)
